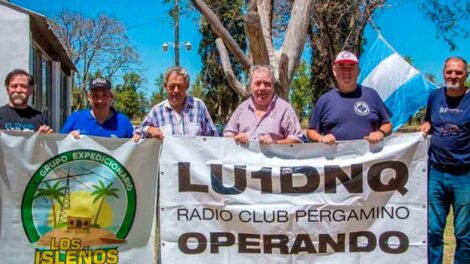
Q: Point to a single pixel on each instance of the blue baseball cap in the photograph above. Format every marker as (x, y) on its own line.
(99, 83)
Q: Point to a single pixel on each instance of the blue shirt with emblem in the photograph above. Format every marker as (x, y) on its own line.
(117, 126)
(450, 128)
(349, 116)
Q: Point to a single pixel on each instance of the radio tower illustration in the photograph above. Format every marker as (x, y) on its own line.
(66, 204)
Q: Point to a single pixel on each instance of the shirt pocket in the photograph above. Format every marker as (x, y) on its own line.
(194, 129)
(167, 129)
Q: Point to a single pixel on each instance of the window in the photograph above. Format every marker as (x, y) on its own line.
(46, 90)
(63, 95)
(42, 73)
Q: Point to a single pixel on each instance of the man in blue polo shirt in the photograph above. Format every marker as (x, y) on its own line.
(447, 120)
(102, 119)
(349, 111)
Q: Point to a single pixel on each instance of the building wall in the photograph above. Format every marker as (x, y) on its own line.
(24, 49)
(14, 45)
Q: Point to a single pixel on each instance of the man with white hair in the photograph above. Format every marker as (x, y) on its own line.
(264, 116)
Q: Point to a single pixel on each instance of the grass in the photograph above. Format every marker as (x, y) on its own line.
(449, 240)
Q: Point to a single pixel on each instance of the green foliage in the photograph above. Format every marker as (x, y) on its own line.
(450, 19)
(79, 101)
(101, 192)
(219, 97)
(431, 77)
(197, 88)
(159, 95)
(334, 27)
(53, 193)
(300, 95)
(79, 96)
(128, 97)
(321, 77)
(408, 59)
(418, 118)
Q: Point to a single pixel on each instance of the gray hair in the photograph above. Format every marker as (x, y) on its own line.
(261, 67)
(177, 70)
(457, 58)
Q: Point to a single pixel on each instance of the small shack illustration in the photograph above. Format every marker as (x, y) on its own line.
(78, 224)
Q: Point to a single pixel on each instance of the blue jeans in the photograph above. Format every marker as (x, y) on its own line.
(446, 189)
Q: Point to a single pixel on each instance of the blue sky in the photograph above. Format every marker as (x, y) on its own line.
(403, 26)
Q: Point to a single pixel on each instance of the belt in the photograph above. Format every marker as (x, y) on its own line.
(453, 169)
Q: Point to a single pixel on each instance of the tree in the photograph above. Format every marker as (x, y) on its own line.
(197, 89)
(336, 25)
(258, 28)
(159, 95)
(450, 18)
(101, 192)
(431, 77)
(408, 59)
(300, 93)
(99, 43)
(220, 99)
(53, 193)
(333, 25)
(129, 97)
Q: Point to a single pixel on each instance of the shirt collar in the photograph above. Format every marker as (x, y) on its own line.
(188, 103)
(90, 115)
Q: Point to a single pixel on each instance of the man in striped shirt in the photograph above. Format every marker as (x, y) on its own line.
(179, 114)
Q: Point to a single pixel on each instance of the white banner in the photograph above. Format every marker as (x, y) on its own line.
(65, 201)
(305, 203)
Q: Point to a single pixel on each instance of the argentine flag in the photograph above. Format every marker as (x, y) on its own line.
(402, 87)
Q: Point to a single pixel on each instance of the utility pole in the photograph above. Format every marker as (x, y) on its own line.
(177, 34)
(176, 44)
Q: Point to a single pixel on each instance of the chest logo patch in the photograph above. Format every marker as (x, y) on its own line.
(361, 108)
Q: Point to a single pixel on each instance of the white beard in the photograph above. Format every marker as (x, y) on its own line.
(453, 86)
(18, 99)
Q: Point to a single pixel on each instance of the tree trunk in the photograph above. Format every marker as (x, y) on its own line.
(259, 33)
(220, 30)
(99, 210)
(53, 213)
(228, 71)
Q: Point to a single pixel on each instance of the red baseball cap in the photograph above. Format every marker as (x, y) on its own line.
(346, 57)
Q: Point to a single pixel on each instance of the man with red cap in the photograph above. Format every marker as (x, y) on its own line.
(349, 111)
